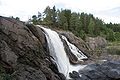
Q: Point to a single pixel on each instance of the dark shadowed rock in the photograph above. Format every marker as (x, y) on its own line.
(114, 73)
(26, 72)
(62, 76)
(74, 74)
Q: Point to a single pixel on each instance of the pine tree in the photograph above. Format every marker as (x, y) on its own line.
(48, 16)
(67, 14)
(54, 16)
(74, 21)
(34, 19)
(91, 27)
(62, 20)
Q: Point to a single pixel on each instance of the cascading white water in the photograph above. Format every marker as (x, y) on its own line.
(58, 53)
(75, 50)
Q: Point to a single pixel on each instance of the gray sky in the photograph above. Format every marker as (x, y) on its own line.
(107, 10)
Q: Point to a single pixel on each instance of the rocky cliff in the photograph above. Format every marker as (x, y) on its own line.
(23, 52)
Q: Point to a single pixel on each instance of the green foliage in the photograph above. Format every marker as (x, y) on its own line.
(114, 27)
(68, 16)
(115, 43)
(54, 15)
(117, 36)
(5, 76)
(17, 18)
(110, 35)
(91, 27)
(48, 16)
(62, 20)
(81, 24)
(74, 22)
(34, 19)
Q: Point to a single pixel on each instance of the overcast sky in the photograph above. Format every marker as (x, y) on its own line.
(107, 10)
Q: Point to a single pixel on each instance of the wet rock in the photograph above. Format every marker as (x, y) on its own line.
(102, 71)
(74, 74)
(114, 73)
(62, 76)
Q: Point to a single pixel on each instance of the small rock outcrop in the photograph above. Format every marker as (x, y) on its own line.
(96, 42)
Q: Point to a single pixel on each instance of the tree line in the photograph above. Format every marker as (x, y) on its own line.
(81, 24)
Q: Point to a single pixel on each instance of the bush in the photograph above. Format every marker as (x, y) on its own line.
(6, 76)
(114, 50)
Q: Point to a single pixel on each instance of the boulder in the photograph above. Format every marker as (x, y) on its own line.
(96, 42)
(74, 74)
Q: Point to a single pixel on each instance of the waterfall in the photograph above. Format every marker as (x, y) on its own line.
(58, 53)
(75, 50)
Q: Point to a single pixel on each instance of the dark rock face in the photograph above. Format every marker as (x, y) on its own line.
(25, 72)
(7, 55)
(74, 75)
(22, 50)
(108, 70)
